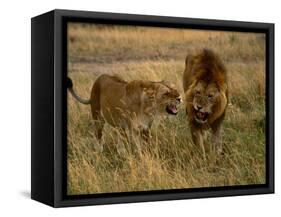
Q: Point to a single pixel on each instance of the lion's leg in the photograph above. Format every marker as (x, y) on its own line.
(145, 132)
(98, 128)
(121, 140)
(217, 135)
(197, 137)
(217, 139)
(135, 139)
(136, 135)
(97, 117)
(145, 135)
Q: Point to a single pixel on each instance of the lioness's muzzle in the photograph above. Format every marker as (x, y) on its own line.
(172, 109)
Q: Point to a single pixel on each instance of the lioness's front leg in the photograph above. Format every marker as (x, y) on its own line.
(122, 138)
(133, 136)
(136, 139)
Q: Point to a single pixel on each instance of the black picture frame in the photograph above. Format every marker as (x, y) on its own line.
(48, 74)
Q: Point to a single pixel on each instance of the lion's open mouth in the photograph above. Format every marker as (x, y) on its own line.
(172, 109)
(201, 117)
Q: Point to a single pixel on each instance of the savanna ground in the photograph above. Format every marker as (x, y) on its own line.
(171, 160)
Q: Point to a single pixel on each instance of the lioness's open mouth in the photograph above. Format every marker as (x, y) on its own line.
(201, 117)
(172, 109)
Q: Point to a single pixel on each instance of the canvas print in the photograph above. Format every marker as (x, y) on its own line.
(154, 108)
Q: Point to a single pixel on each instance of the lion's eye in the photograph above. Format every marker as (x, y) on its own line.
(210, 95)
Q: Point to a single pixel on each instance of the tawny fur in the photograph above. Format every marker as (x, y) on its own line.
(129, 106)
(206, 92)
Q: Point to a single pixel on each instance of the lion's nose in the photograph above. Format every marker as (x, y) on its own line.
(198, 107)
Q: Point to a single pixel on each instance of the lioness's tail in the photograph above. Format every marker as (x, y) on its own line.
(78, 98)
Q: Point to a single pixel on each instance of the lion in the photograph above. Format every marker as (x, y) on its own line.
(206, 96)
(129, 106)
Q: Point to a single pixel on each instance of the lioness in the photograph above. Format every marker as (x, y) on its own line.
(128, 105)
(206, 96)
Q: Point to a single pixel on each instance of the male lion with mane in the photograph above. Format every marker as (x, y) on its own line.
(206, 96)
(129, 106)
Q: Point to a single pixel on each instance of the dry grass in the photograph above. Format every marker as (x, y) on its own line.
(171, 160)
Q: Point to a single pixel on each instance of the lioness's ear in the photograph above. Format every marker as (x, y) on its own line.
(169, 84)
(149, 92)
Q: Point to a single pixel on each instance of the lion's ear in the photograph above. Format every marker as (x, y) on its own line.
(188, 72)
(150, 92)
(188, 60)
(223, 87)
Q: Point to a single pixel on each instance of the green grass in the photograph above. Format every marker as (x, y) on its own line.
(171, 160)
